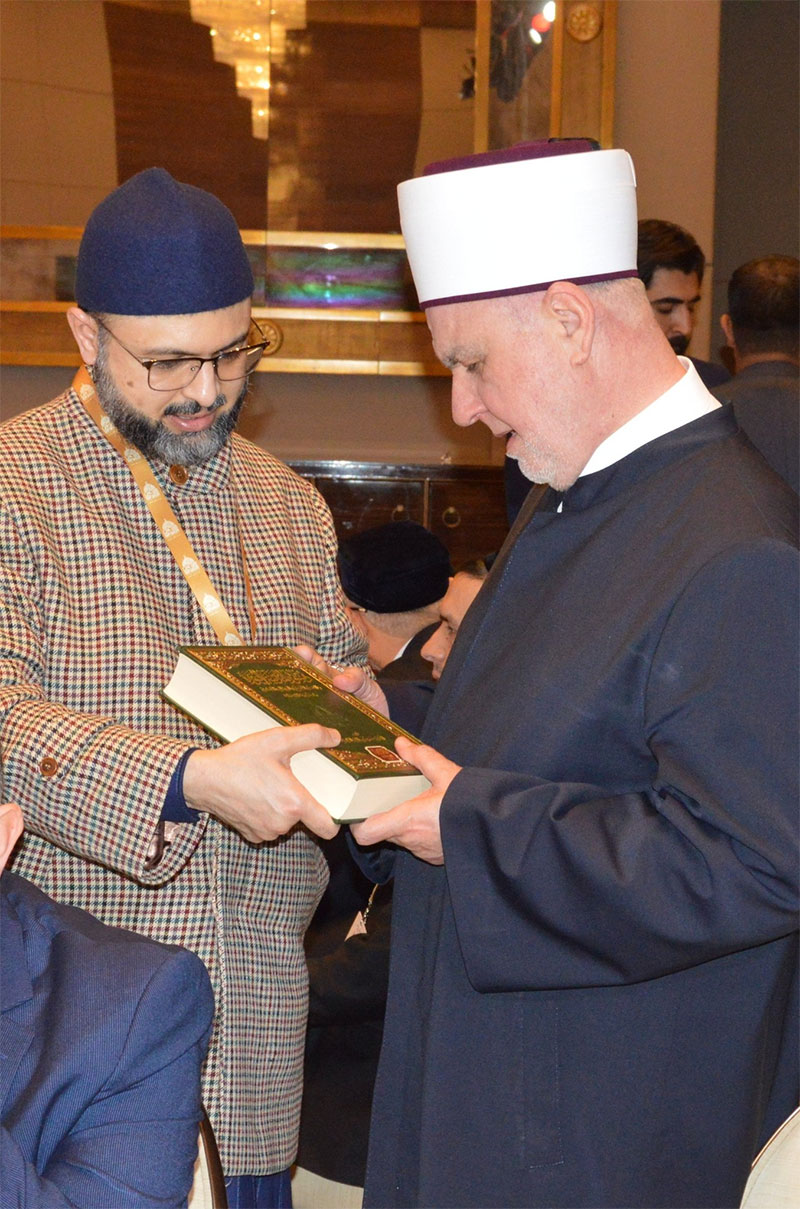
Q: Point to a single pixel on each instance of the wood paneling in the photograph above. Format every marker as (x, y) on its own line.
(583, 70)
(463, 505)
(344, 126)
(468, 514)
(36, 333)
(175, 107)
(343, 342)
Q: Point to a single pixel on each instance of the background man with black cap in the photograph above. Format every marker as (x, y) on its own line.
(132, 521)
(595, 907)
(393, 577)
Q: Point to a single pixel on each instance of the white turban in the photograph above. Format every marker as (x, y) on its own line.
(513, 221)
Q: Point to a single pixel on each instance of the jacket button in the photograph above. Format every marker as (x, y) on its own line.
(48, 767)
(178, 474)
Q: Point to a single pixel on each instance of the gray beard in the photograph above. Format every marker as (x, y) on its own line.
(537, 466)
(152, 438)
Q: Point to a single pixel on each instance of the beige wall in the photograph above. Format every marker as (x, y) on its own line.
(56, 111)
(666, 115)
(447, 123)
(364, 419)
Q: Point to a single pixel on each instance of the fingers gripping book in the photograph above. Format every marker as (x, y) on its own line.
(236, 691)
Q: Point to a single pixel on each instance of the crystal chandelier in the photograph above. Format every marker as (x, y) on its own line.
(249, 35)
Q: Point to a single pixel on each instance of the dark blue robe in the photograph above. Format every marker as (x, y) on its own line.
(589, 1002)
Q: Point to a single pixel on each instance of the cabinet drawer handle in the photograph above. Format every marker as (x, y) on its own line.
(398, 512)
(451, 518)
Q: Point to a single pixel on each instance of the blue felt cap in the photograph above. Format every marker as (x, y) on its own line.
(158, 247)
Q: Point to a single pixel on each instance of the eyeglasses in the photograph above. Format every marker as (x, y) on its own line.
(173, 373)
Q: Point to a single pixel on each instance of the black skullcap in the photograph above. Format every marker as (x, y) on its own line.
(155, 246)
(393, 568)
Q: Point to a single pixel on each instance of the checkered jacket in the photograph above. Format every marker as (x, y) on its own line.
(92, 610)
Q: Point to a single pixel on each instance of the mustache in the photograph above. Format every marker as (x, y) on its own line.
(190, 407)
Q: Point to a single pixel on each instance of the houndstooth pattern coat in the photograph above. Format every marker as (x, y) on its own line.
(92, 610)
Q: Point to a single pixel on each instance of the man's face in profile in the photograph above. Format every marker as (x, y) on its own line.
(674, 297)
(452, 609)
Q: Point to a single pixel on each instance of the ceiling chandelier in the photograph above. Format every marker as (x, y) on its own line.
(250, 35)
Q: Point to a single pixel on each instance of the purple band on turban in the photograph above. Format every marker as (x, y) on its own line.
(537, 149)
(592, 279)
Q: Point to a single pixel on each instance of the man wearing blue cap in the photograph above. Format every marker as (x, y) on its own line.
(594, 934)
(133, 522)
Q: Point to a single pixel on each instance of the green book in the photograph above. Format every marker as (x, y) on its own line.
(236, 691)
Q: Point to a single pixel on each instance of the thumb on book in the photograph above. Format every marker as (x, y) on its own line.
(430, 762)
(308, 736)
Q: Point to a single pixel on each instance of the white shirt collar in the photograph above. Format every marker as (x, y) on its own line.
(685, 401)
(401, 652)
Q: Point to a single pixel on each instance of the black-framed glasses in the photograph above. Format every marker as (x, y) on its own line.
(173, 373)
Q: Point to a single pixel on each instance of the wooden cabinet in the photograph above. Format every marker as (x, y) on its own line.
(462, 505)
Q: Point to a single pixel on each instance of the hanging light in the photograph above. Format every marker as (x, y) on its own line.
(250, 35)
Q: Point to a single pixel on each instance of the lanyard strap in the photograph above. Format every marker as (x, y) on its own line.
(166, 521)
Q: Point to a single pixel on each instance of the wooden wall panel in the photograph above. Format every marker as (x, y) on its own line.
(175, 107)
(344, 126)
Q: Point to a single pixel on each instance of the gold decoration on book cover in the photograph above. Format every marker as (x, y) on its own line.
(277, 679)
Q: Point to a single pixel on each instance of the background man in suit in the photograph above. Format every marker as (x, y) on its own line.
(761, 327)
(671, 264)
(134, 520)
(102, 1036)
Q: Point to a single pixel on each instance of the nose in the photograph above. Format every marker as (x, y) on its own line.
(682, 321)
(464, 401)
(203, 386)
(435, 650)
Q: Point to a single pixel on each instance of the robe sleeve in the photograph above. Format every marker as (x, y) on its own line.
(573, 885)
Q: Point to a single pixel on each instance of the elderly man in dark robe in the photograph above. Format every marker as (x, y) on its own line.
(594, 945)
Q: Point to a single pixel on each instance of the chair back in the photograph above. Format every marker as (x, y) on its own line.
(774, 1181)
(208, 1185)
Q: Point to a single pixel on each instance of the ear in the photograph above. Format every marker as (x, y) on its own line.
(84, 329)
(10, 830)
(727, 327)
(573, 310)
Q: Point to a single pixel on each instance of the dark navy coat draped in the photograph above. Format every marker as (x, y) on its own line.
(102, 1036)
